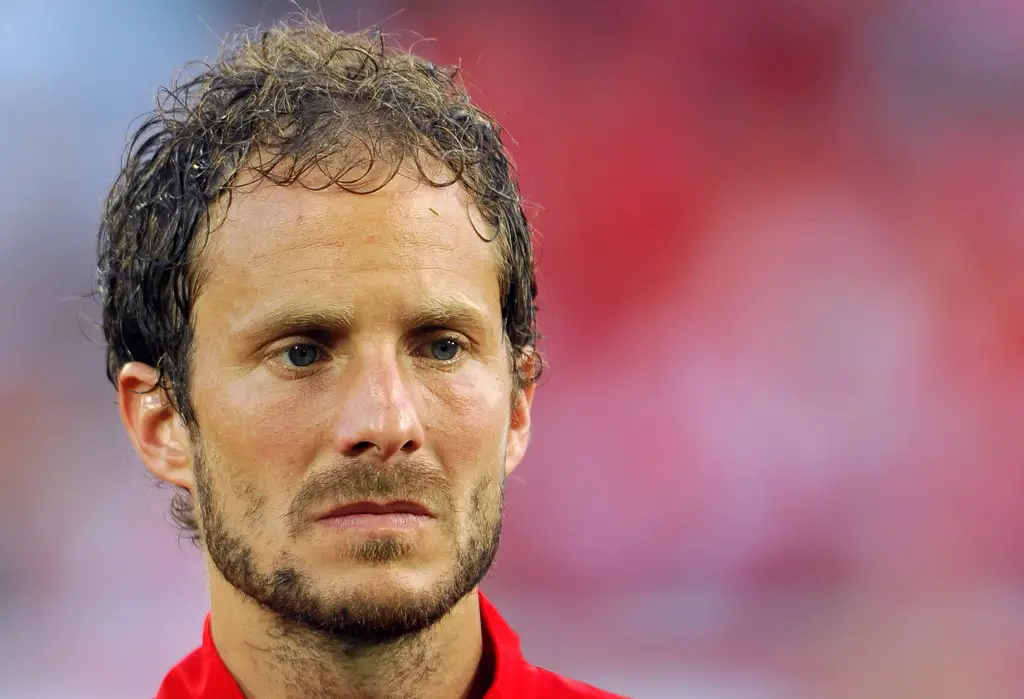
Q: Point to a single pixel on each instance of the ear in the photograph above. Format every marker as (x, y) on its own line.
(157, 432)
(519, 424)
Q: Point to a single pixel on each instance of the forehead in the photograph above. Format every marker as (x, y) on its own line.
(406, 211)
(332, 239)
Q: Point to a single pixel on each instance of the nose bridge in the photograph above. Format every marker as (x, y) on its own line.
(378, 410)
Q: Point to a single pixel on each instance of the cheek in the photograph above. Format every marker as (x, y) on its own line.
(466, 423)
(261, 440)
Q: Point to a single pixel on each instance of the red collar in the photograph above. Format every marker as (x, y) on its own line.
(203, 675)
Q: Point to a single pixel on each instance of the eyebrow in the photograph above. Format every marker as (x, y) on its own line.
(446, 311)
(281, 322)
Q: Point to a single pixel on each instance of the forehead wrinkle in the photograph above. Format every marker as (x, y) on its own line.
(301, 230)
(293, 244)
(320, 234)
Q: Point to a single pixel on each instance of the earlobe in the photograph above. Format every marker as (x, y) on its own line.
(152, 423)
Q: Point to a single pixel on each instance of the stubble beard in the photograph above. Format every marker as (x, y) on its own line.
(355, 618)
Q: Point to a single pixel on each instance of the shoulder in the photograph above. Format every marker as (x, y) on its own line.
(201, 674)
(548, 685)
(185, 679)
(516, 677)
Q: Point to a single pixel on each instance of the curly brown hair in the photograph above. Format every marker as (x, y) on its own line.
(291, 103)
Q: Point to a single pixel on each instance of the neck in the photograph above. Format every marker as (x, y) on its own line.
(269, 659)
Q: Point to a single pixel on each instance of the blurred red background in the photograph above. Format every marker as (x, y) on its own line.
(778, 447)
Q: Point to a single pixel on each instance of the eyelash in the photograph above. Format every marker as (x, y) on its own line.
(322, 352)
(283, 353)
(460, 342)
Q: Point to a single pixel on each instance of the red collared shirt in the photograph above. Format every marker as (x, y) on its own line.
(203, 675)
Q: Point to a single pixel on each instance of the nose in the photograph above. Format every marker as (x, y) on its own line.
(378, 415)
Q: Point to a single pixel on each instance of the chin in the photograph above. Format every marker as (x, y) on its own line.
(372, 605)
(394, 580)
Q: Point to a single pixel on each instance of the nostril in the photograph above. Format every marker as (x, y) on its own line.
(361, 448)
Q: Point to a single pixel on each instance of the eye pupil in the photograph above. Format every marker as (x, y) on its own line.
(303, 355)
(444, 350)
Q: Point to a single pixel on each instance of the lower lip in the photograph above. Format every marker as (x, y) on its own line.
(393, 521)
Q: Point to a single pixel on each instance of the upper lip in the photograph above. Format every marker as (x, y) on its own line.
(368, 507)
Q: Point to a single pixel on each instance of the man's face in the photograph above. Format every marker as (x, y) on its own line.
(348, 353)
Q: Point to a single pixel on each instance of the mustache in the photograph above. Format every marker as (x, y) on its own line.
(364, 480)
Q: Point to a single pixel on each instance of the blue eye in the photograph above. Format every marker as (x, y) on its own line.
(444, 350)
(302, 356)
